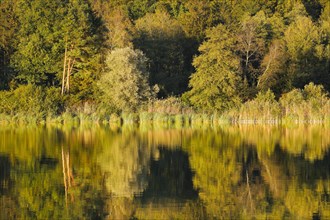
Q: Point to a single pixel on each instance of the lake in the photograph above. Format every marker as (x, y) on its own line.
(129, 172)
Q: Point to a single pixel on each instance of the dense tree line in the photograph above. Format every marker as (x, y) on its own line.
(216, 54)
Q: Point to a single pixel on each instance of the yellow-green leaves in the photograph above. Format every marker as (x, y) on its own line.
(125, 82)
(216, 83)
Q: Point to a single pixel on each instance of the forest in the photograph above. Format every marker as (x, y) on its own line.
(144, 60)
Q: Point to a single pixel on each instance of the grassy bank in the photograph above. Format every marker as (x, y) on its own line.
(158, 120)
(34, 105)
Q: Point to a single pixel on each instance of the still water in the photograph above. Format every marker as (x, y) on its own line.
(95, 172)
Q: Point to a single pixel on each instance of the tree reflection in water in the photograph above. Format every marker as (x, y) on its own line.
(137, 173)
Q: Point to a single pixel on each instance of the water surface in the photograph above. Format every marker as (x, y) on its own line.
(95, 172)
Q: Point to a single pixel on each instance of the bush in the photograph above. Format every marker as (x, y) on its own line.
(316, 100)
(31, 103)
(291, 104)
(263, 108)
(170, 106)
(54, 102)
(309, 104)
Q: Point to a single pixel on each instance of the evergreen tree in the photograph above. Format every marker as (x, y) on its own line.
(139, 8)
(198, 15)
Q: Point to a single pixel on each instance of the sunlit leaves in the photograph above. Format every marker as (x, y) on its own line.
(217, 80)
(125, 83)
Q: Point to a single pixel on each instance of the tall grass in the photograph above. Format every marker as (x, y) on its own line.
(308, 105)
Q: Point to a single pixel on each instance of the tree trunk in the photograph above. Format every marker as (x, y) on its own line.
(64, 69)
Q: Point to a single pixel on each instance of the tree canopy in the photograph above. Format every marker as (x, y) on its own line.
(125, 82)
(218, 53)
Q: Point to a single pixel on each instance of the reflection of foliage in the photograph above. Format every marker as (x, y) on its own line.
(217, 172)
(124, 162)
(170, 176)
(312, 141)
(189, 210)
(236, 182)
(37, 194)
(301, 186)
(239, 172)
(37, 178)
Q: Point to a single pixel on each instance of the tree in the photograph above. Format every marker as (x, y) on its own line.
(139, 8)
(251, 46)
(304, 51)
(162, 39)
(125, 83)
(325, 40)
(197, 16)
(217, 81)
(273, 75)
(121, 29)
(54, 40)
(290, 10)
(38, 50)
(82, 41)
(8, 27)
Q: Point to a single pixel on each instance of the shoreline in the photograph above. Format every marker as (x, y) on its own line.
(160, 119)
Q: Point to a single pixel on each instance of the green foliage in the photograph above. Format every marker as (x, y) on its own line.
(196, 16)
(8, 28)
(53, 102)
(305, 53)
(310, 104)
(291, 102)
(163, 41)
(121, 30)
(318, 101)
(244, 47)
(45, 30)
(263, 108)
(251, 45)
(31, 103)
(217, 81)
(38, 50)
(138, 8)
(125, 83)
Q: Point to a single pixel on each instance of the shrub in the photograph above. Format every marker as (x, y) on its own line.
(309, 104)
(31, 103)
(263, 107)
(292, 103)
(171, 106)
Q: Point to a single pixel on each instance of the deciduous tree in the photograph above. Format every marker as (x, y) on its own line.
(125, 83)
(162, 39)
(217, 82)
